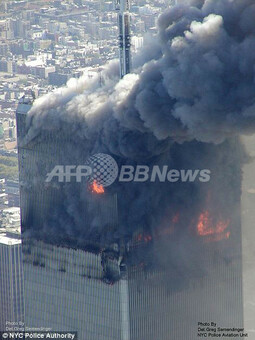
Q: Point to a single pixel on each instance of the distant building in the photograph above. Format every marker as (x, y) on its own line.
(149, 21)
(11, 282)
(137, 43)
(6, 66)
(10, 218)
(3, 200)
(57, 79)
(42, 71)
(4, 48)
(2, 184)
(12, 191)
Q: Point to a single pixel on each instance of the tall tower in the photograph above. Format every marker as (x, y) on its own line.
(82, 275)
(11, 283)
(122, 7)
(70, 283)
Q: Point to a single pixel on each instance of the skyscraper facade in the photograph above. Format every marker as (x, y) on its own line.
(12, 284)
(82, 275)
(68, 280)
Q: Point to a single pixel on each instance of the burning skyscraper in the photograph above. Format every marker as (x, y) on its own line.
(144, 259)
(180, 259)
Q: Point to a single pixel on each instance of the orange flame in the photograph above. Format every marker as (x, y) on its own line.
(96, 188)
(206, 227)
(218, 237)
(143, 238)
(139, 237)
(147, 238)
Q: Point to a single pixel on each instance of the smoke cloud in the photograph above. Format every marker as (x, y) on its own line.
(194, 81)
(190, 96)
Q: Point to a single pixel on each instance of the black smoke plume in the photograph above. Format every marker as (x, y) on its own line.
(189, 98)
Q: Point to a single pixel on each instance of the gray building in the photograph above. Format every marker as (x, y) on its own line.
(146, 288)
(72, 282)
(11, 283)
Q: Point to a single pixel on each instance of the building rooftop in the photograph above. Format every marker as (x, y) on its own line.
(9, 241)
(25, 104)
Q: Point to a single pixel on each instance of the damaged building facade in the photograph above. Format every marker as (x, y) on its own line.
(86, 270)
(143, 260)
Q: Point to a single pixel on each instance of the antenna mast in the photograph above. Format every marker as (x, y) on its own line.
(123, 7)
